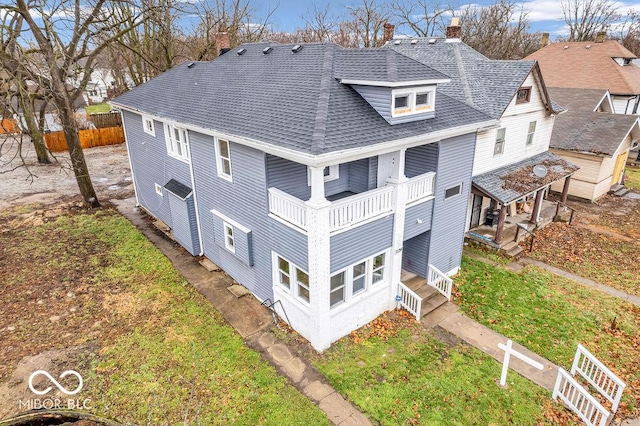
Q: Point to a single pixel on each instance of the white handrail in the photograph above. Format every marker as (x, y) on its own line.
(420, 186)
(360, 207)
(440, 281)
(410, 301)
(579, 400)
(598, 375)
(288, 208)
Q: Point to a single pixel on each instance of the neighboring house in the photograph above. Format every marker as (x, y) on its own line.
(312, 174)
(514, 94)
(601, 64)
(590, 135)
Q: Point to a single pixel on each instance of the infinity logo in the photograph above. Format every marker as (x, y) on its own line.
(55, 382)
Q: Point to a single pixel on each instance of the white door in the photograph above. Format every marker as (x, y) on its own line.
(385, 167)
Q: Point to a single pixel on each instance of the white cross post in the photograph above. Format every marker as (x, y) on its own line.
(508, 351)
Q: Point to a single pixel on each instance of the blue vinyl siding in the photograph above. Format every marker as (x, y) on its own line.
(418, 219)
(455, 161)
(363, 241)
(380, 99)
(421, 159)
(291, 178)
(185, 230)
(290, 243)
(414, 254)
(373, 172)
(151, 165)
(242, 240)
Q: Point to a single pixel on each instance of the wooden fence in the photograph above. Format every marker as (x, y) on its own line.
(106, 119)
(56, 141)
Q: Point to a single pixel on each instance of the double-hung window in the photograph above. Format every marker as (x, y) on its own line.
(292, 279)
(531, 133)
(223, 159)
(229, 238)
(357, 279)
(177, 142)
(500, 140)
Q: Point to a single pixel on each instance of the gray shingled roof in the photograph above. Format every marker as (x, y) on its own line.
(481, 82)
(512, 182)
(581, 129)
(290, 100)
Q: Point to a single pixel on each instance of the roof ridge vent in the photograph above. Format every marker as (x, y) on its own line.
(432, 41)
(588, 46)
(190, 64)
(267, 50)
(414, 41)
(296, 48)
(566, 47)
(242, 51)
(397, 42)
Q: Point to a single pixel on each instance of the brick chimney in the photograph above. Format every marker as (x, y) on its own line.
(223, 43)
(388, 32)
(545, 40)
(601, 36)
(454, 31)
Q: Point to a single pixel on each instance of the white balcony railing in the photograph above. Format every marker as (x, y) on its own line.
(420, 186)
(288, 208)
(358, 208)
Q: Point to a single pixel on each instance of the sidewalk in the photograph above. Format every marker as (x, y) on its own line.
(252, 321)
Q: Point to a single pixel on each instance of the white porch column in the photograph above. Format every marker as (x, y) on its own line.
(319, 261)
(399, 181)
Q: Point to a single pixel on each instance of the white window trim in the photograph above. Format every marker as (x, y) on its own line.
(159, 190)
(172, 143)
(293, 278)
(369, 284)
(146, 119)
(220, 158)
(230, 221)
(231, 246)
(451, 187)
(504, 142)
(531, 135)
(411, 107)
(334, 173)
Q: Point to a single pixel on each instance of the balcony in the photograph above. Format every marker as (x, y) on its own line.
(353, 210)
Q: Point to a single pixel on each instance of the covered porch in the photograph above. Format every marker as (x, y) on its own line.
(515, 195)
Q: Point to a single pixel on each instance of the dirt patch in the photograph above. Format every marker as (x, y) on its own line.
(34, 183)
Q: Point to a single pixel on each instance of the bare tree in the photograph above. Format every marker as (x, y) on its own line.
(498, 31)
(586, 18)
(320, 24)
(368, 20)
(423, 17)
(68, 36)
(630, 33)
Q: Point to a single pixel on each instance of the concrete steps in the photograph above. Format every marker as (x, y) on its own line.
(511, 249)
(619, 190)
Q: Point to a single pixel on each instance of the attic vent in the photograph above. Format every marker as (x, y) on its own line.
(242, 51)
(396, 42)
(296, 48)
(432, 41)
(414, 41)
(267, 50)
(190, 64)
(588, 46)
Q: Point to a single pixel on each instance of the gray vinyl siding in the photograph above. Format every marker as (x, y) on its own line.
(363, 241)
(373, 172)
(455, 161)
(151, 164)
(418, 219)
(414, 254)
(421, 159)
(378, 97)
(291, 178)
(291, 244)
(185, 230)
(242, 240)
(244, 201)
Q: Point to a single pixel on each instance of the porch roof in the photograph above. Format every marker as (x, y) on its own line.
(509, 183)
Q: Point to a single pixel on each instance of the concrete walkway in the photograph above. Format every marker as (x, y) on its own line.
(252, 321)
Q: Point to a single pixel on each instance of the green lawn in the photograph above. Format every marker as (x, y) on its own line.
(551, 315)
(632, 178)
(163, 354)
(408, 376)
(98, 108)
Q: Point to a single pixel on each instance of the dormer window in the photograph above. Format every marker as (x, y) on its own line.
(412, 101)
(524, 95)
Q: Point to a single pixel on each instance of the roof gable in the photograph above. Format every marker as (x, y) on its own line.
(590, 65)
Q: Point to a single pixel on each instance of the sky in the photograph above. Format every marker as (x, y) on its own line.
(544, 15)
